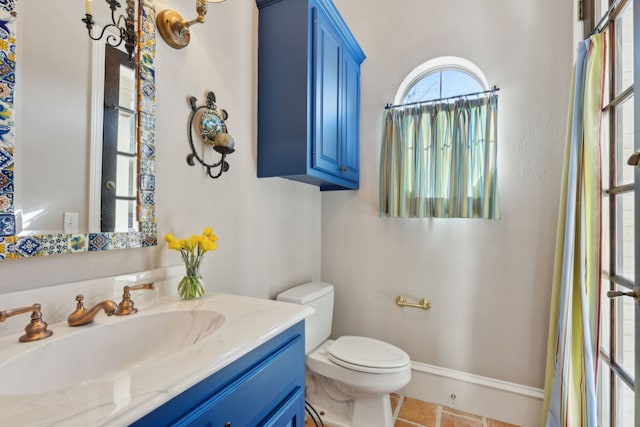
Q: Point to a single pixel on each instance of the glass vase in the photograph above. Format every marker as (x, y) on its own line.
(192, 285)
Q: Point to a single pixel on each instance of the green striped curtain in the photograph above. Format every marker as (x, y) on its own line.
(572, 350)
(439, 160)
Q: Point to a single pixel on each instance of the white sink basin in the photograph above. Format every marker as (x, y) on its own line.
(100, 351)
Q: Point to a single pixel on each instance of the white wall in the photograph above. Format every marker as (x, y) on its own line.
(268, 229)
(489, 281)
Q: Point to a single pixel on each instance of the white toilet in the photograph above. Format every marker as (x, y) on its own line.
(351, 377)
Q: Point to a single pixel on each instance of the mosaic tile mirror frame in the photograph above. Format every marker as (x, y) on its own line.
(17, 246)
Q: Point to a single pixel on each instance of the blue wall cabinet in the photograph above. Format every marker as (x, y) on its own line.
(262, 388)
(308, 94)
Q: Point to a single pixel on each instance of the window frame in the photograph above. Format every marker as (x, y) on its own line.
(442, 63)
(609, 352)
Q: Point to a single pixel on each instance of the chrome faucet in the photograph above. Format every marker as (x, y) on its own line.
(36, 329)
(82, 316)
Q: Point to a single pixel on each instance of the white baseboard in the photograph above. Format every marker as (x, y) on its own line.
(500, 400)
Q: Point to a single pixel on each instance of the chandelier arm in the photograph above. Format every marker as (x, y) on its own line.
(124, 26)
(110, 35)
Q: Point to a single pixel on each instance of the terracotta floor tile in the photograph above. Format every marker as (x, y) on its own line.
(403, 423)
(395, 398)
(418, 411)
(494, 423)
(457, 412)
(451, 420)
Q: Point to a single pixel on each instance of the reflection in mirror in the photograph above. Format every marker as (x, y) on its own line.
(134, 208)
(119, 161)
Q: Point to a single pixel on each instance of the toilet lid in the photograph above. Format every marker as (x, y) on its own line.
(367, 355)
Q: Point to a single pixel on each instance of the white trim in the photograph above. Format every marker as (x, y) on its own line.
(523, 390)
(501, 400)
(441, 62)
(97, 113)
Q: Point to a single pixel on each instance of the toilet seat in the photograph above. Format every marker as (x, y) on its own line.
(365, 354)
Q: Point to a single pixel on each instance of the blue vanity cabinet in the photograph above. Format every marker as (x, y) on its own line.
(308, 94)
(263, 388)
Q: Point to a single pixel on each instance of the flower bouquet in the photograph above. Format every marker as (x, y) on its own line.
(192, 250)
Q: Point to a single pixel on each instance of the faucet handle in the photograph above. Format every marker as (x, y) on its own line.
(126, 305)
(36, 329)
(79, 306)
(79, 298)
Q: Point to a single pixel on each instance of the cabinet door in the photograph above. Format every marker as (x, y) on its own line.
(327, 58)
(350, 159)
(290, 413)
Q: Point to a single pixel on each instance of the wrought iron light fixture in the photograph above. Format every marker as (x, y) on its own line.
(124, 26)
(213, 131)
(175, 30)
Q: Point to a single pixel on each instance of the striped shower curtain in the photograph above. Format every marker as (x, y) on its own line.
(572, 351)
(439, 160)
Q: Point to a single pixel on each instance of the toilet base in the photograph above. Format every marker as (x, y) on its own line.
(329, 418)
(372, 411)
(344, 410)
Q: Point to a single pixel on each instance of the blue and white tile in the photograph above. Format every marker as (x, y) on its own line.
(98, 241)
(54, 244)
(28, 246)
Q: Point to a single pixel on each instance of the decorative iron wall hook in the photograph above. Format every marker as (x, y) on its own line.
(213, 131)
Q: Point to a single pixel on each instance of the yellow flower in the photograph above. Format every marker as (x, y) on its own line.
(186, 245)
(195, 246)
(210, 246)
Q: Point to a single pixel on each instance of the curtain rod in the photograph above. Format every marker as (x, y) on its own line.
(604, 18)
(493, 89)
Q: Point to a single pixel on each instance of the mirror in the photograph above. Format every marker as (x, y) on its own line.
(19, 171)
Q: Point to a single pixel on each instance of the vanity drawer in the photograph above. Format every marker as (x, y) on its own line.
(263, 388)
(249, 400)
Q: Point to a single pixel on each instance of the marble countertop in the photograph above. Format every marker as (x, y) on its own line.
(122, 398)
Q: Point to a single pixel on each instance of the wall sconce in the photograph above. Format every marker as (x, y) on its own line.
(213, 131)
(175, 30)
(124, 26)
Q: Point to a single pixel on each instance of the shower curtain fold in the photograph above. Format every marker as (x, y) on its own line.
(572, 351)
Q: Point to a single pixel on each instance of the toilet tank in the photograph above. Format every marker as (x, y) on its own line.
(318, 295)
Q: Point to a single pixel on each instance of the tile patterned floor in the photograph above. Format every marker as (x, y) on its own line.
(409, 412)
(414, 412)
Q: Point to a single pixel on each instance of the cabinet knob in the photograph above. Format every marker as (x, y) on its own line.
(227, 424)
(344, 169)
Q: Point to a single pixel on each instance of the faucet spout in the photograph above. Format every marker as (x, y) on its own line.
(82, 316)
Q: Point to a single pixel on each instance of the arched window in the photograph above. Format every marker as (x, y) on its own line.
(438, 159)
(441, 77)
